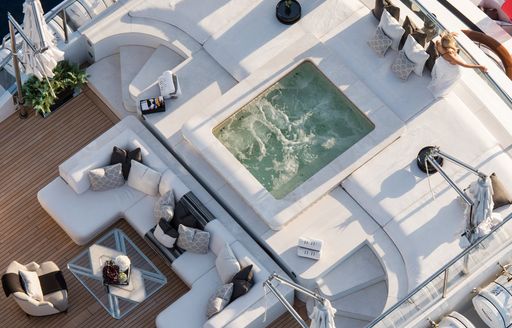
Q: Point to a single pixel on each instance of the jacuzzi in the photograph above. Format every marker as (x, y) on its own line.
(286, 136)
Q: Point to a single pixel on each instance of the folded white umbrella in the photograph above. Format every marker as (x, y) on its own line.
(480, 213)
(322, 315)
(42, 62)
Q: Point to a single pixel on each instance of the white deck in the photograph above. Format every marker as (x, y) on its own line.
(385, 202)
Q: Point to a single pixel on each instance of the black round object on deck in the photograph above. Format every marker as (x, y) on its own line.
(288, 15)
(422, 165)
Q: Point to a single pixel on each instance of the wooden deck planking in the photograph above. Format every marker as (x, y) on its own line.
(31, 151)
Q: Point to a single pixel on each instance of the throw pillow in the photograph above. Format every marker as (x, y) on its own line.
(193, 240)
(144, 178)
(501, 196)
(183, 216)
(219, 299)
(31, 284)
(380, 5)
(432, 56)
(380, 42)
(123, 156)
(392, 29)
(242, 282)
(106, 178)
(165, 234)
(411, 29)
(415, 53)
(164, 207)
(226, 263)
(402, 66)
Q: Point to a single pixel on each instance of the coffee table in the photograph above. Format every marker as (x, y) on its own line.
(145, 278)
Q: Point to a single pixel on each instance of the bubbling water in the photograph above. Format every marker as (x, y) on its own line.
(293, 129)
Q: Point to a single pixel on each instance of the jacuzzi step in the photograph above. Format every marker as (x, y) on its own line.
(161, 60)
(360, 270)
(132, 59)
(368, 303)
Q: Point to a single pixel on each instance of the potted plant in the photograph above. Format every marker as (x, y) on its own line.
(288, 11)
(45, 96)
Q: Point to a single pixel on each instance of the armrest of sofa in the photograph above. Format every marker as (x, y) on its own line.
(219, 236)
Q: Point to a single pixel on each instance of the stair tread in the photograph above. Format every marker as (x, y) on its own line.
(361, 269)
(161, 60)
(368, 302)
(347, 322)
(132, 60)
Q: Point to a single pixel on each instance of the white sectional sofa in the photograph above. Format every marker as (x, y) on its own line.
(83, 214)
(200, 273)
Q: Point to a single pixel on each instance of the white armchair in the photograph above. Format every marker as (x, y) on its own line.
(55, 295)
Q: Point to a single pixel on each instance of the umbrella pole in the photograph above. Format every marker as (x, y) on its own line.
(20, 102)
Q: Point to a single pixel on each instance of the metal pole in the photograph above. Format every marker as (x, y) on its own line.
(287, 305)
(296, 287)
(434, 163)
(460, 163)
(20, 102)
(65, 23)
(445, 282)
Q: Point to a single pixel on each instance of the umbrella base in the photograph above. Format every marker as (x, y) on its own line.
(422, 165)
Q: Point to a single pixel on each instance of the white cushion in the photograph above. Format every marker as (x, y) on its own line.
(219, 236)
(163, 238)
(227, 264)
(140, 215)
(191, 266)
(85, 216)
(415, 53)
(144, 178)
(391, 28)
(169, 181)
(32, 284)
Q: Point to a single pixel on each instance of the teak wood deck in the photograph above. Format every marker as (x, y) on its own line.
(31, 151)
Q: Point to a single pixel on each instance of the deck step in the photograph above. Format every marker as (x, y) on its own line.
(132, 58)
(367, 303)
(161, 60)
(347, 322)
(360, 270)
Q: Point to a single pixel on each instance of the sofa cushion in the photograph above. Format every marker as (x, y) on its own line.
(179, 312)
(106, 178)
(170, 181)
(242, 282)
(165, 234)
(432, 55)
(191, 266)
(411, 29)
(226, 263)
(124, 156)
(32, 286)
(85, 216)
(183, 216)
(380, 42)
(140, 214)
(219, 299)
(219, 236)
(402, 66)
(501, 196)
(392, 29)
(164, 207)
(144, 178)
(193, 240)
(415, 53)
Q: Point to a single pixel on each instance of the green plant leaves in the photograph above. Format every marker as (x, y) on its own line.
(38, 92)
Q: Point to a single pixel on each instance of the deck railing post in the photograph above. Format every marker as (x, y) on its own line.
(445, 282)
(20, 102)
(65, 24)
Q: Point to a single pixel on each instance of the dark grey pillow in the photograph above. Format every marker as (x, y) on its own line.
(432, 53)
(123, 156)
(501, 196)
(105, 178)
(414, 31)
(381, 5)
(242, 282)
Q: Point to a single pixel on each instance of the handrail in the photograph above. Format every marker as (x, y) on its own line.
(438, 272)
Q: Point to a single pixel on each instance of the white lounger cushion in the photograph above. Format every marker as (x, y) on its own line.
(140, 215)
(85, 216)
(191, 266)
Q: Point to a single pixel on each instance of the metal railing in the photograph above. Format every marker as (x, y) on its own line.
(436, 287)
(57, 17)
